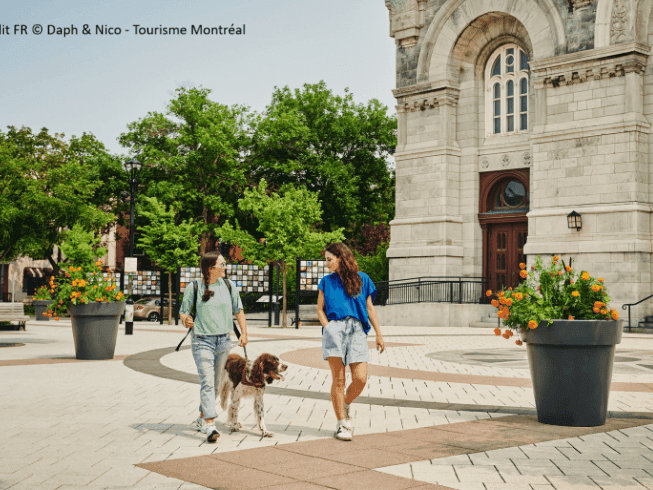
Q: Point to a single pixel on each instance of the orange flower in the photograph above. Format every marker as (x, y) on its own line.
(522, 266)
(571, 281)
(560, 273)
(600, 279)
(596, 288)
(505, 336)
(497, 331)
(556, 258)
(532, 324)
(615, 315)
(585, 276)
(604, 311)
(50, 315)
(519, 296)
(95, 287)
(519, 342)
(598, 304)
(495, 303)
(523, 274)
(596, 310)
(488, 292)
(500, 314)
(502, 300)
(52, 278)
(509, 333)
(56, 318)
(82, 283)
(532, 267)
(570, 317)
(509, 302)
(575, 294)
(501, 293)
(568, 269)
(45, 314)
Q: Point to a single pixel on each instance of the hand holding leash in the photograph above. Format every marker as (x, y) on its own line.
(243, 339)
(188, 322)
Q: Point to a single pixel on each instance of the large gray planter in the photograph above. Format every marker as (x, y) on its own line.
(571, 369)
(95, 329)
(40, 307)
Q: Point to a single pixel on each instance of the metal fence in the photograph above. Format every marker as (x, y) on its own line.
(460, 290)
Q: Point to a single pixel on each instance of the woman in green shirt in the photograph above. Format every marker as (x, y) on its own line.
(211, 335)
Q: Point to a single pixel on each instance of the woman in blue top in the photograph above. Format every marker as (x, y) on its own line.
(344, 302)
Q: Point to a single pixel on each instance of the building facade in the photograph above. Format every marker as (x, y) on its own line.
(512, 114)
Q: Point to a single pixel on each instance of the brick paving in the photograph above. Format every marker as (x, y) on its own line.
(422, 422)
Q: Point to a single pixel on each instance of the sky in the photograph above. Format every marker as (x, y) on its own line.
(100, 83)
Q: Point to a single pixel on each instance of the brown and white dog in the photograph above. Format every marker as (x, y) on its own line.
(244, 379)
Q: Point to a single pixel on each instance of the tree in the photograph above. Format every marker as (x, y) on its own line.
(170, 244)
(287, 221)
(47, 186)
(341, 150)
(193, 155)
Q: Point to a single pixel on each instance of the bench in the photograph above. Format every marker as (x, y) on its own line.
(13, 312)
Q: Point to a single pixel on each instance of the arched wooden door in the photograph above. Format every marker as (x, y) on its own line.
(503, 206)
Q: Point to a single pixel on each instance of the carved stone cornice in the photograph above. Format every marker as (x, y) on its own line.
(421, 102)
(424, 88)
(596, 64)
(580, 4)
(407, 19)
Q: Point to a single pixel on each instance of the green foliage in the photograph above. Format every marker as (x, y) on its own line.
(82, 247)
(376, 266)
(286, 221)
(341, 150)
(42, 294)
(167, 243)
(46, 186)
(553, 293)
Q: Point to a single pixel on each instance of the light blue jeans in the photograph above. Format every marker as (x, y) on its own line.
(210, 353)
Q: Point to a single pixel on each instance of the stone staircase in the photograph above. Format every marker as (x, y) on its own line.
(644, 326)
(489, 320)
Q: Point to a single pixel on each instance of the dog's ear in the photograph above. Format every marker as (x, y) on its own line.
(256, 376)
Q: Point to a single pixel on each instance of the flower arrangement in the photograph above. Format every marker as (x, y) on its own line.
(82, 285)
(551, 293)
(42, 294)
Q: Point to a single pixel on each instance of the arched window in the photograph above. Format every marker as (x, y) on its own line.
(510, 196)
(506, 91)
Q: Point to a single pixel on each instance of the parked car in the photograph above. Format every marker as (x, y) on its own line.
(150, 309)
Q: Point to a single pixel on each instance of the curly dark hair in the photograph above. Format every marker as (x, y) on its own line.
(348, 268)
(208, 260)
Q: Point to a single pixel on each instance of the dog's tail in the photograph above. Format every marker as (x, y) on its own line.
(224, 389)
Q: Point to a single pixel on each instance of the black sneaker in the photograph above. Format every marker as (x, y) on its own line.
(212, 433)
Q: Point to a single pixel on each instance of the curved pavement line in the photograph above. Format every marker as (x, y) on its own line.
(149, 362)
(312, 357)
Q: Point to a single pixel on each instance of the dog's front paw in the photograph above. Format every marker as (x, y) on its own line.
(268, 434)
(240, 426)
(235, 428)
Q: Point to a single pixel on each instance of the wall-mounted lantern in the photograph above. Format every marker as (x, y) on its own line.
(574, 221)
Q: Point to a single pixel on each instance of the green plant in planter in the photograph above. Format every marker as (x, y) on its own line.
(42, 294)
(556, 292)
(82, 282)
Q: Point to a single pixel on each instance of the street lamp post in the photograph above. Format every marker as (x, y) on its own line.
(134, 167)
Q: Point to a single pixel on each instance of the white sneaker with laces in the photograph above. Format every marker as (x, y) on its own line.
(342, 433)
(211, 432)
(199, 425)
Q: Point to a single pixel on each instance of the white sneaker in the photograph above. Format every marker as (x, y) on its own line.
(199, 425)
(212, 433)
(343, 433)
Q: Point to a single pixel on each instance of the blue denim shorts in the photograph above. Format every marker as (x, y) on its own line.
(347, 340)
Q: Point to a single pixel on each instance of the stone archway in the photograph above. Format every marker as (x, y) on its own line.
(543, 24)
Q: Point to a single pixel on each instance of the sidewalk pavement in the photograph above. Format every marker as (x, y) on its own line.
(437, 412)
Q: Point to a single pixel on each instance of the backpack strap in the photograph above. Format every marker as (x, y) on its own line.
(193, 312)
(236, 331)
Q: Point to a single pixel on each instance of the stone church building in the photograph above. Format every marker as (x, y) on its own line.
(512, 114)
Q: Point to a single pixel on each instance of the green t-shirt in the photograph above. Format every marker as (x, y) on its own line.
(213, 317)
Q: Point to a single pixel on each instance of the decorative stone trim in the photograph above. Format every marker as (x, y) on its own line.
(407, 20)
(597, 64)
(619, 22)
(580, 4)
(429, 101)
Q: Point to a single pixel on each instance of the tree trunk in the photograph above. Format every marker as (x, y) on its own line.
(284, 321)
(4, 254)
(55, 266)
(204, 237)
(169, 298)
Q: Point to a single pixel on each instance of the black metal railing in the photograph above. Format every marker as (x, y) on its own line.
(629, 327)
(460, 290)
